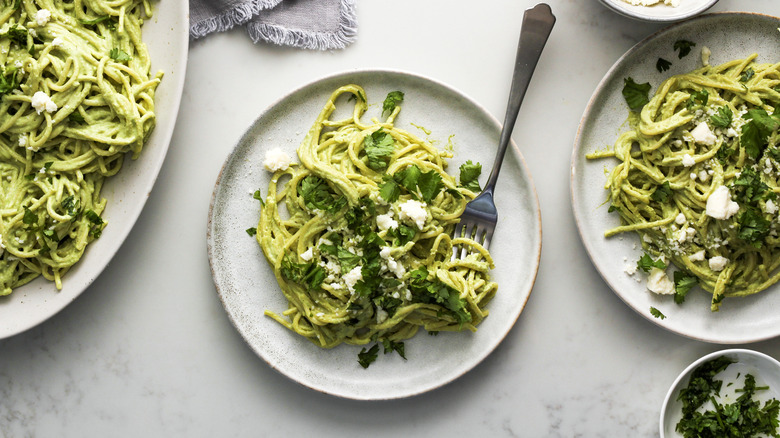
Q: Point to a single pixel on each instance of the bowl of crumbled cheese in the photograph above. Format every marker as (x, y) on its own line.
(660, 11)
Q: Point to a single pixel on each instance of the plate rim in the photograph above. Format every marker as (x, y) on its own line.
(98, 266)
(535, 254)
(578, 149)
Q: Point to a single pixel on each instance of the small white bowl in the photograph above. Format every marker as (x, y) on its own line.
(660, 13)
(764, 368)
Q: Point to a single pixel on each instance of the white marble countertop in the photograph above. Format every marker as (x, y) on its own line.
(148, 350)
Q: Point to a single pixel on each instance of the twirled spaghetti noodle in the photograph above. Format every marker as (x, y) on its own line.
(698, 176)
(384, 273)
(77, 95)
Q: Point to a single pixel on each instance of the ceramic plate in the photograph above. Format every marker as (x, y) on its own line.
(660, 12)
(166, 36)
(247, 287)
(729, 36)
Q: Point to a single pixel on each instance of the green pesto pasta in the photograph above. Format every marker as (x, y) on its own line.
(697, 176)
(358, 234)
(76, 95)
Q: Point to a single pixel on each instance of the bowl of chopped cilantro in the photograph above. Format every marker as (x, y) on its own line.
(728, 393)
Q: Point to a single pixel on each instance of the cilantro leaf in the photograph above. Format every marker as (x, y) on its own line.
(436, 292)
(389, 190)
(9, 80)
(390, 346)
(646, 263)
(722, 118)
(683, 282)
(347, 260)
(662, 192)
(379, 146)
(119, 55)
(308, 274)
(251, 231)
(746, 75)
(753, 227)
(469, 176)
(367, 357)
(317, 194)
(701, 97)
(755, 132)
(430, 185)
(748, 188)
(402, 234)
(662, 65)
(657, 313)
(408, 177)
(683, 47)
(393, 98)
(29, 217)
(71, 206)
(97, 223)
(635, 94)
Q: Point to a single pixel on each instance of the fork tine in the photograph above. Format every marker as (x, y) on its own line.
(488, 237)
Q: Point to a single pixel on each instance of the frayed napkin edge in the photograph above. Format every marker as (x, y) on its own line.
(231, 18)
(310, 40)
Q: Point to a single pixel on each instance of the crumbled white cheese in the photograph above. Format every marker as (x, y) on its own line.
(703, 176)
(771, 207)
(276, 159)
(381, 315)
(717, 263)
(308, 254)
(42, 102)
(386, 221)
(42, 17)
(57, 42)
(705, 55)
(22, 141)
(688, 160)
(697, 256)
(630, 268)
(660, 283)
(414, 211)
(680, 219)
(352, 277)
(703, 134)
(719, 204)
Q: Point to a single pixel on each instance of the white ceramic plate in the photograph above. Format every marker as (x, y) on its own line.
(729, 36)
(246, 284)
(166, 36)
(660, 13)
(764, 368)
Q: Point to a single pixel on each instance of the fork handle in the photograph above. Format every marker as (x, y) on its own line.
(537, 25)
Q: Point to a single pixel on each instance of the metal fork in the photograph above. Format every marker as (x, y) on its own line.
(481, 216)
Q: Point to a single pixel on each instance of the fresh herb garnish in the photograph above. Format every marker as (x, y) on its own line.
(746, 75)
(745, 417)
(683, 47)
(393, 98)
(97, 223)
(119, 55)
(367, 356)
(317, 194)
(308, 274)
(251, 231)
(469, 176)
(749, 189)
(753, 228)
(722, 118)
(434, 291)
(29, 217)
(657, 313)
(755, 132)
(683, 282)
(635, 94)
(698, 97)
(646, 263)
(419, 184)
(379, 147)
(662, 192)
(662, 65)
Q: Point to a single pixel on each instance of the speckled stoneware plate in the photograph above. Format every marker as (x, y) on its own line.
(660, 13)
(765, 369)
(729, 36)
(167, 36)
(246, 284)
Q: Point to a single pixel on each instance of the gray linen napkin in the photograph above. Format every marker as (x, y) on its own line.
(307, 24)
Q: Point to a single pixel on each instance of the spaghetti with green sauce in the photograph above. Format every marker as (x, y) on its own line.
(697, 177)
(76, 95)
(359, 235)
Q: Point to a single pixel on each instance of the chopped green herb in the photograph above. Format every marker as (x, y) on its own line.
(317, 194)
(657, 313)
(251, 231)
(646, 263)
(307, 274)
(662, 192)
(698, 97)
(393, 98)
(367, 357)
(755, 132)
(662, 65)
(753, 227)
(683, 47)
(379, 147)
(469, 176)
(390, 346)
(635, 94)
(722, 118)
(746, 75)
(29, 217)
(119, 55)
(683, 283)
